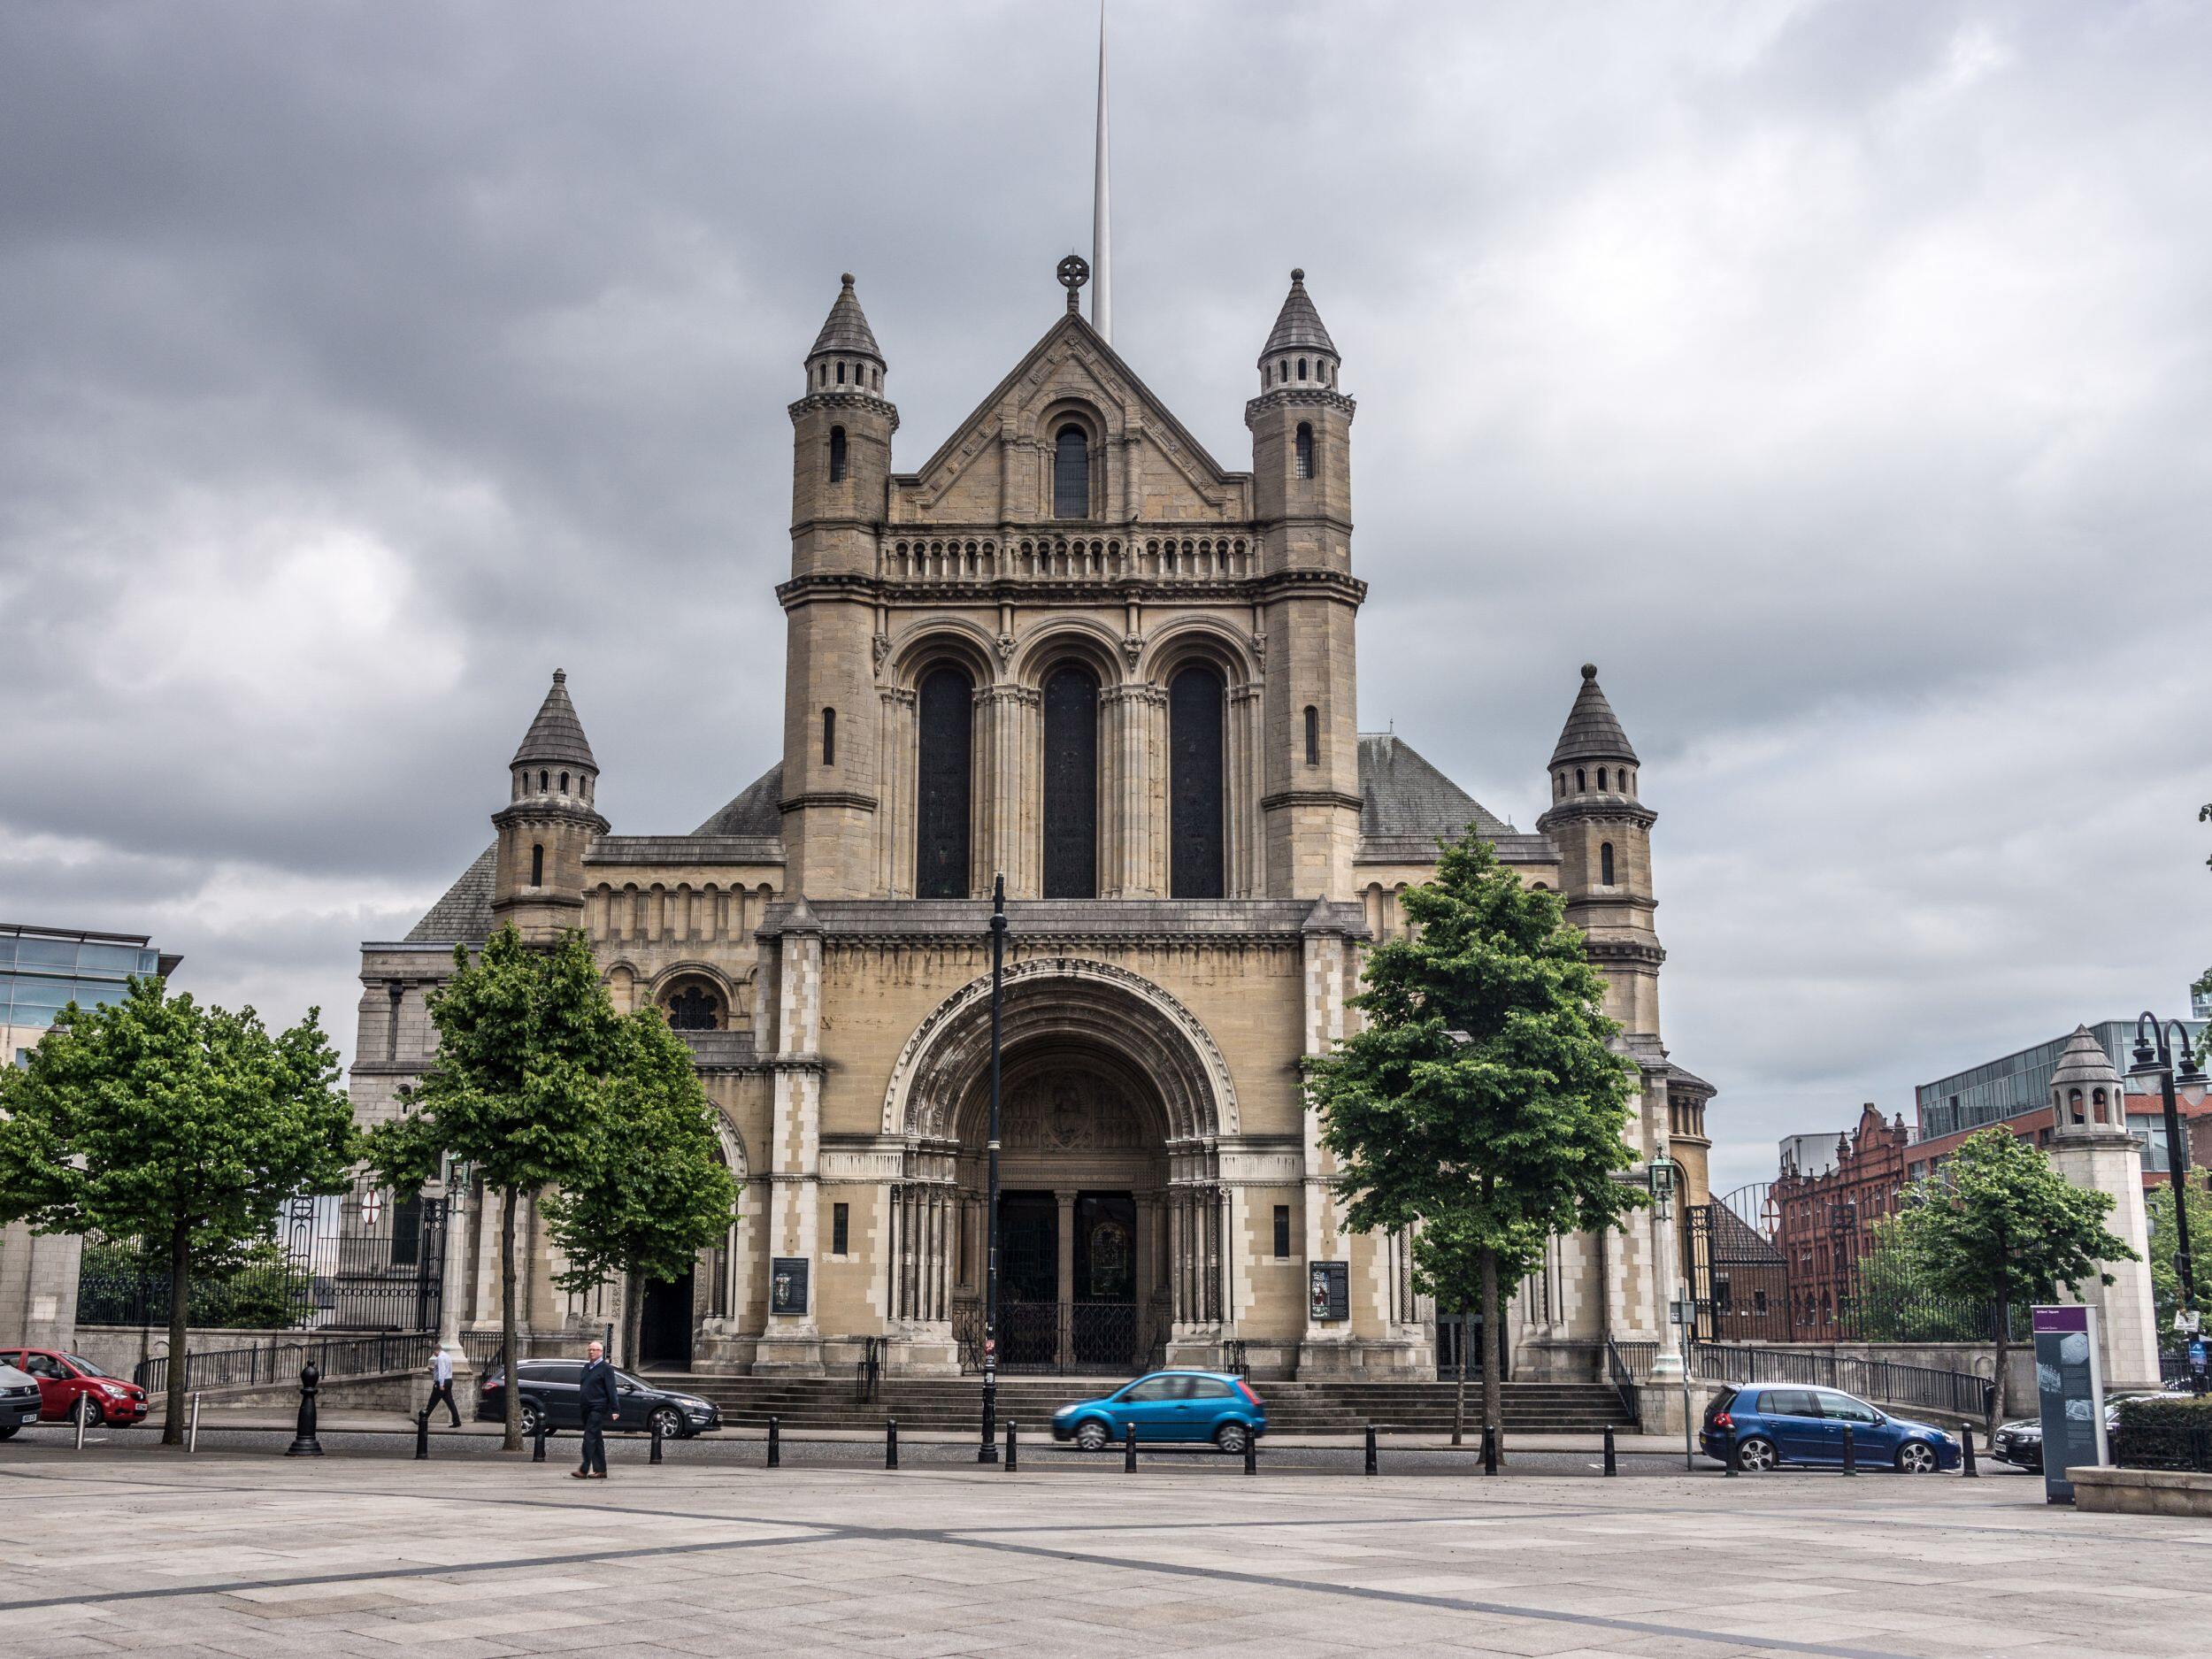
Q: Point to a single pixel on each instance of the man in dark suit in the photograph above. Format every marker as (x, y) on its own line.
(596, 1397)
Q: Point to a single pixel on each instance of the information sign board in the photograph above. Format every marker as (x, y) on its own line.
(1330, 1286)
(787, 1287)
(2069, 1389)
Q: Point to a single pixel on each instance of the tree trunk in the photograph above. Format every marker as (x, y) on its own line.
(510, 1348)
(1493, 1320)
(180, 1327)
(1997, 1394)
(633, 1315)
(1459, 1398)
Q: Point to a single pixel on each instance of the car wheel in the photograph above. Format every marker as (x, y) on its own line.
(1231, 1437)
(531, 1417)
(93, 1417)
(668, 1420)
(1756, 1454)
(1092, 1437)
(1916, 1458)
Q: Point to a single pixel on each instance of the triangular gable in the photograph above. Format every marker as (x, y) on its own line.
(1071, 358)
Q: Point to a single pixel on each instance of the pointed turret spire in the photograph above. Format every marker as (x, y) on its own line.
(1101, 211)
(845, 353)
(556, 738)
(2084, 1062)
(1592, 731)
(1298, 327)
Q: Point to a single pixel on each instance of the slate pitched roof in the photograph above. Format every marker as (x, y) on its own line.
(1298, 327)
(1592, 732)
(1402, 795)
(557, 736)
(846, 327)
(464, 916)
(756, 810)
(2084, 1062)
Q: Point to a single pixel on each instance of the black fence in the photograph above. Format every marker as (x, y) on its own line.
(365, 1260)
(279, 1365)
(2163, 1446)
(483, 1347)
(1959, 1393)
(1050, 1339)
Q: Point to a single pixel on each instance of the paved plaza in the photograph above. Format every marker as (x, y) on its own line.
(238, 1552)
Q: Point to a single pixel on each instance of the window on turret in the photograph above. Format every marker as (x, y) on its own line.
(537, 866)
(1305, 450)
(2073, 1104)
(821, 375)
(1071, 474)
(543, 786)
(563, 783)
(1301, 368)
(1313, 735)
(1582, 779)
(1605, 863)
(829, 737)
(840, 374)
(1283, 370)
(837, 455)
(1601, 778)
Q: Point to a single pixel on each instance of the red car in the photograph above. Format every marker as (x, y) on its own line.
(61, 1378)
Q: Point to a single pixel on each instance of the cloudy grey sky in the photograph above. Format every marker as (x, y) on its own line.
(1839, 377)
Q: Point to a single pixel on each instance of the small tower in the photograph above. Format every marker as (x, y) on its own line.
(841, 472)
(2091, 1147)
(1603, 834)
(549, 822)
(1301, 497)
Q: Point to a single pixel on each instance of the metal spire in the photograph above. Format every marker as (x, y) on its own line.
(1101, 212)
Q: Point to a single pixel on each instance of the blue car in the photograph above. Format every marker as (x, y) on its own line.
(1771, 1423)
(1168, 1405)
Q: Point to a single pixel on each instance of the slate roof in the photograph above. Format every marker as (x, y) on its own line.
(557, 736)
(1402, 795)
(2084, 1062)
(1299, 327)
(757, 810)
(1592, 731)
(464, 916)
(846, 327)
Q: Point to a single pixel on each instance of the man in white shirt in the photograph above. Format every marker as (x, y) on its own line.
(442, 1385)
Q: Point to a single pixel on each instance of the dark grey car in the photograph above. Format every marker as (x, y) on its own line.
(550, 1389)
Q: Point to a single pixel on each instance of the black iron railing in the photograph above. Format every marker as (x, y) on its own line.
(2163, 1446)
(483, 1347)
(1618, 1372)
(1960, 1393)
(280, 1364)
(870, 1370)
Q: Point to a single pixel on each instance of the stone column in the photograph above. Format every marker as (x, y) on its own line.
(2106, 1161)
(1241, 782)
(792, 1343)
(1006, 813)
(1133, 796)
(895, 790)
(1326, 1349)
(1065, 1198)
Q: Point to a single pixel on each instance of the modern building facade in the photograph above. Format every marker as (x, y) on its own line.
(1073, 648)
(2014, 1085)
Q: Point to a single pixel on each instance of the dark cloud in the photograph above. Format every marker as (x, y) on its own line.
(1834, 375)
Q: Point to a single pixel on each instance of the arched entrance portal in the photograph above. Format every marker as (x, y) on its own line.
(1112, 1220)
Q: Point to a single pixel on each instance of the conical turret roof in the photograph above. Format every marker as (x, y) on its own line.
(1298, 327)
(846, 328)
(1592, 731)
(2083, 1064)
(557, 736)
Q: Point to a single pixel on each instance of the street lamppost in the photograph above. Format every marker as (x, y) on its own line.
(2155, 1041)
(987, 1452)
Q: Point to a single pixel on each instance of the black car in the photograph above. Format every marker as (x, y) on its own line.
(550, 1390)
(18, 1401)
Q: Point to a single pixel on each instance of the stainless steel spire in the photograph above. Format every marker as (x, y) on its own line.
(1101, 211)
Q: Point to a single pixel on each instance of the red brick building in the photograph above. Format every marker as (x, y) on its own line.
(1825, 1223)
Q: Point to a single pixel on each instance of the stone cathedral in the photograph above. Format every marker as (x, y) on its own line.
(1070, 647)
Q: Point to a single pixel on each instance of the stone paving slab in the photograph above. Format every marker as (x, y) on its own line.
(242, 1555)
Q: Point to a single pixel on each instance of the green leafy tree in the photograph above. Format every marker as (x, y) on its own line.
(2158, 1204)
(1449, 1258)
(527, 1045)
(1481, 1095)
(1893, 1299)
(184, 1126)
(654, 1191)
(1998, 1223)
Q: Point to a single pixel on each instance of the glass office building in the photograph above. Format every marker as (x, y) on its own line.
(43, 969)
(2017, 1084)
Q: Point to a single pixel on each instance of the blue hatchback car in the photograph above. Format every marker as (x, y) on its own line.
(1771, 1424)
(1168, 1405)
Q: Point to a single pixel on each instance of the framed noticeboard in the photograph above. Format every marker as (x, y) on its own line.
(2070, 1390)
(1329, 1286)
(786, 1284)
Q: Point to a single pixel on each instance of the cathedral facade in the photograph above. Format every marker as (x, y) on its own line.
(1072, 650)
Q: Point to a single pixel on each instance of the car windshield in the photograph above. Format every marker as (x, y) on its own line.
(85, 1367)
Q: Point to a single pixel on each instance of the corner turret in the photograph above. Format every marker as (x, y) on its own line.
(548, 824)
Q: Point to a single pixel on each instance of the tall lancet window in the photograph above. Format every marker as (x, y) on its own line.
(1071, 474)
(1071, 795)
(1197, 833)
(946, 716)
(1305, 450)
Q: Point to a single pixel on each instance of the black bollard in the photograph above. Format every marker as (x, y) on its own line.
(1251, 1454)
(1850, 1451)
(537, 1443)
(890, 1443)
(1370, 1466)
(1489, 1449)
(1010, 1453)
(775, 1444)
(422, 1434)
(654, 1456)
(1612, 1464)
(1966, 1453)
(304, 1441)
(1129, 1448)
(1727, 1438)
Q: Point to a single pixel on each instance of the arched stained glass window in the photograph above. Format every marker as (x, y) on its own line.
(945, 715)
(695, 1008)
(1071, 784)
(1071, 474)
(1197, 833)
